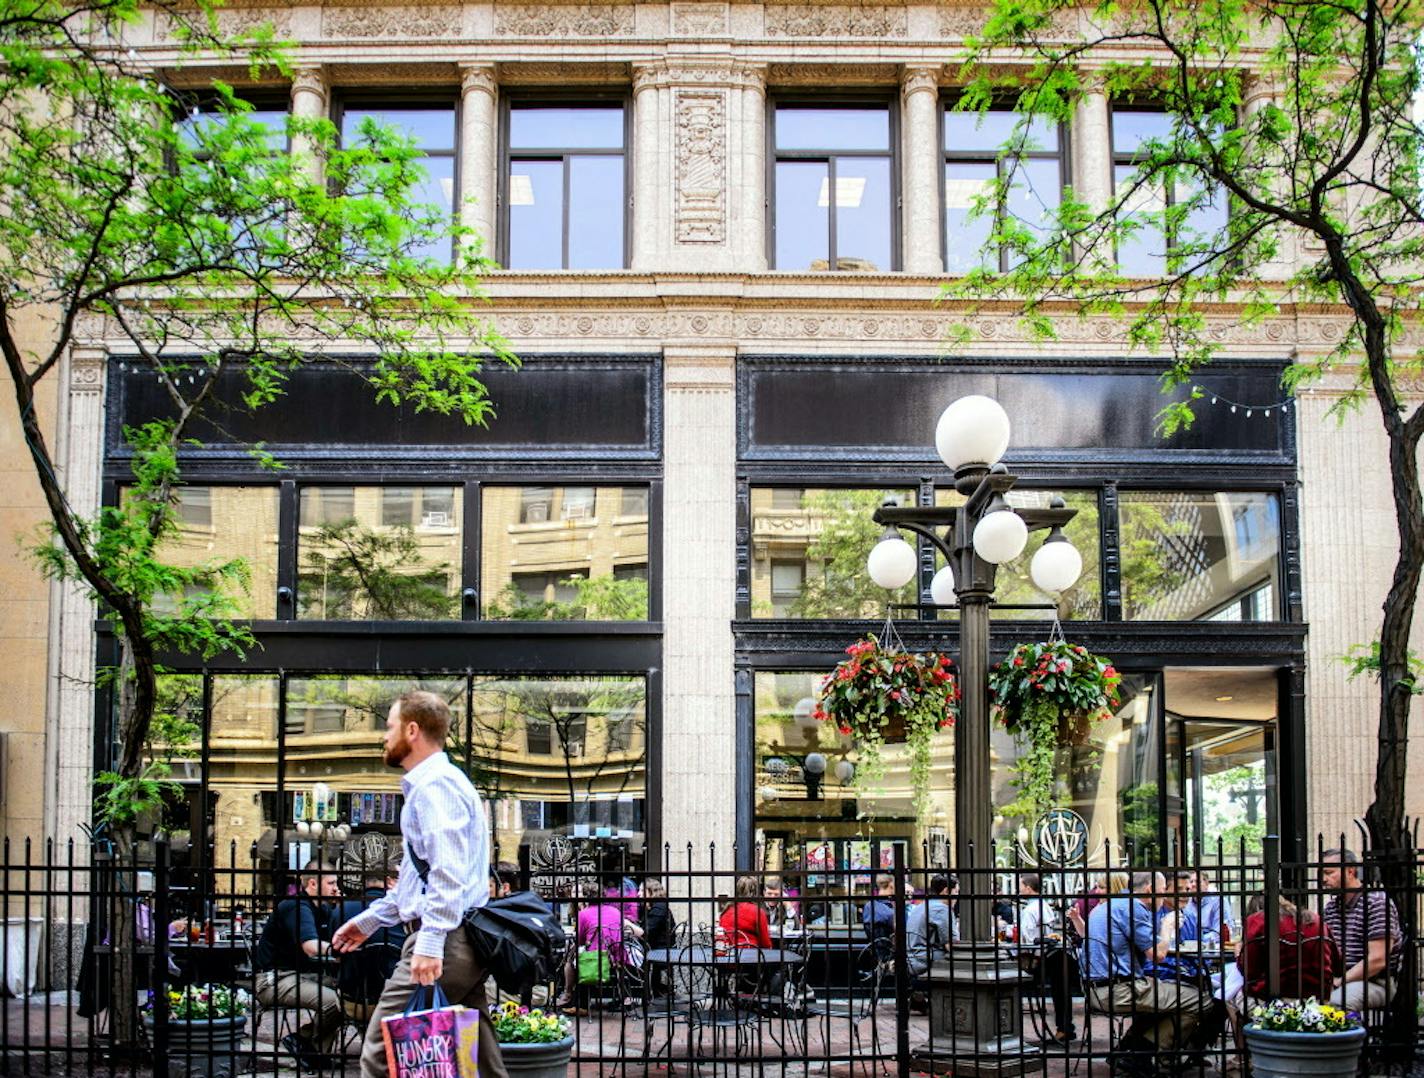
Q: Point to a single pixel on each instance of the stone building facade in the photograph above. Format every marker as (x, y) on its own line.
(690, 384)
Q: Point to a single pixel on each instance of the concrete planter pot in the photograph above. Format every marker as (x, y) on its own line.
(549, 1059)
(1289, 1055)
(203, 1047)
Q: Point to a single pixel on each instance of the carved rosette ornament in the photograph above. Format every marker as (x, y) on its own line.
(701, 143)
(835, 20)
(86, 370)
(563, 20)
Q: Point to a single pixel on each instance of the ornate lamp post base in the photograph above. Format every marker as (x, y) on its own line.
(976, 1015)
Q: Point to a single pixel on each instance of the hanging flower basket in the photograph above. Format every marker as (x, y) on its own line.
(1049, 694)
(886, 695)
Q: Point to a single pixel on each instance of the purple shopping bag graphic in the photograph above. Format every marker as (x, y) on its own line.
(441, 1042)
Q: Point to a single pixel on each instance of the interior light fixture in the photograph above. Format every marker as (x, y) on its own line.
(1224, 699)
(959, 194)
(849, 191)
(521, 190)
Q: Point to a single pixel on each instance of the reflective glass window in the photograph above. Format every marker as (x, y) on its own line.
(433, 130)
(1200, 556)
(808, 552)
(834, 184)
(242, 772)
(565, 553)
(560, 761)
(974, 157)
(565, 184)
(380, 553)
(218, 524)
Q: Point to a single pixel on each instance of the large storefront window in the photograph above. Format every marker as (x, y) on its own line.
(805, 821)
(809, 547)
(1194, 556)
(380, 553)
(562, 762)
(242, 768)
(217, 524)
(1015, 595)
(565, 553)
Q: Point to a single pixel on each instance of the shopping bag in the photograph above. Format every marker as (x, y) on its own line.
(594, 967)
(431, 1039)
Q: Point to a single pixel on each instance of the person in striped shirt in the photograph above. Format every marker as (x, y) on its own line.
(443, 873)
(1366, 925)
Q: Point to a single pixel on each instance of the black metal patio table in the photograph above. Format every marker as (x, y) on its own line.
(723, 1009)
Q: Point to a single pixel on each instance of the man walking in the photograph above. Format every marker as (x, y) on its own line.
(445, 871)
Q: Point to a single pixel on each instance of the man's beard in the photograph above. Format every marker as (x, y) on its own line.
(395, 754)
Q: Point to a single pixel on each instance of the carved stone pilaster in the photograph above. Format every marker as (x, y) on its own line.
(309, 79)
(921, 78)
(479, 78)
(701, 166)
(920, 183)
(479, 91)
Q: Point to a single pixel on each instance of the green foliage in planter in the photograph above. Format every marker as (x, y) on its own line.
(876, 686)
(1036, 690)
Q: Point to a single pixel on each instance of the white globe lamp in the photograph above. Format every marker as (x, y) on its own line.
(942, 588)
(769, 793)
(892, 562)
(972, 430)
(1000, 536)
(1056, 566)
(814, 764)
(845, 771)
(805, 713)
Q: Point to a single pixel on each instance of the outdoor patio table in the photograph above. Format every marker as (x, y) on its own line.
(743, 957)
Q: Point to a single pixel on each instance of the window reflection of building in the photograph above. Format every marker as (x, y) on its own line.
(562, 758)
(566, 553)
(220, 523)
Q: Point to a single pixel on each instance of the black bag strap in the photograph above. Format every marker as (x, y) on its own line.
(422, 866)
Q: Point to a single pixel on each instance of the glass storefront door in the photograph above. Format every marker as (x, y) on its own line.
(1221, 762)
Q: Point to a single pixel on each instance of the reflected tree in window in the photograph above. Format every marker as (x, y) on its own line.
(352, 571)
(599, 598)
(836, 583)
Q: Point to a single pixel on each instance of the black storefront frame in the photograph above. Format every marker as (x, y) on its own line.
(287, 647)
(765, 644)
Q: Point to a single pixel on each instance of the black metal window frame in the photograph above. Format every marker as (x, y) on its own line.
(787, 644)
(948, 156)
(200, 806)
(473, 601)
(366, 98)
(862, 101)
(590, 98)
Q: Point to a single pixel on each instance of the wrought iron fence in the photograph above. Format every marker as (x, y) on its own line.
(817, 967)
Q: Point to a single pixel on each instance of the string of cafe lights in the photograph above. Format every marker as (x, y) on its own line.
(1237, 407)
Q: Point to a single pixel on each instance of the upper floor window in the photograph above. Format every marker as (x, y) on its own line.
(842, 149)
(203, 114)
(1145, 253)
(974, 158)
(433, 128)
(565, 183)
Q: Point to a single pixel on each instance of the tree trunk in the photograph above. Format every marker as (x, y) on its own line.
(124, 1019)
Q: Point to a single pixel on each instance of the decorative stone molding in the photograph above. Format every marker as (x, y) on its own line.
(917, 78)
(86, 370)
(236, 20)
(701, 158)
(557, 73)
(700, 20)
(701, 73)
(367, 19)
(309, 79)
(479, 77)
(835, 20)
(700, 369)
(832, 74)
(563, 20)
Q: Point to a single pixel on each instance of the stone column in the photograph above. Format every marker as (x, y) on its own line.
(699, 802)
(647, 206)
(479, 139)
(749, 222)
(922, 215)
(69, 706)
(1092, 155)
(1258, 92)
(308, 103)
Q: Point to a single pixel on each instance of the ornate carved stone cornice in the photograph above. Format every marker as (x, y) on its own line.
(732, 74)
(564, 20)
(835, 20)
(373, 19)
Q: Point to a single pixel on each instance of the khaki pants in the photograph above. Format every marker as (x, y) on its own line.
(1160, 1009)
(463, 982)
(1364, 995)
(318, 1002)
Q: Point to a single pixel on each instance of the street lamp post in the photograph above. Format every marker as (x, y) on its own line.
(975, 538)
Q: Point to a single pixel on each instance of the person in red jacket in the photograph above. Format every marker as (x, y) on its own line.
(1310, 959)
(744, 922)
